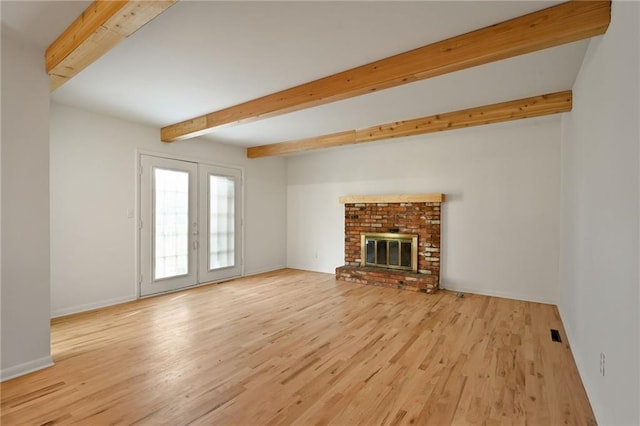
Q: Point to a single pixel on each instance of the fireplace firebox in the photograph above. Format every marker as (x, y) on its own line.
(389, 250)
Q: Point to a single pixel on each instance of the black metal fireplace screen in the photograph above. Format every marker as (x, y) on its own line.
(389, 250)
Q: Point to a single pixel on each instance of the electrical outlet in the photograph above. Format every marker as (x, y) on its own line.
(602, 359)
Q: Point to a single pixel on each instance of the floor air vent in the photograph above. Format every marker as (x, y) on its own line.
(555, 335)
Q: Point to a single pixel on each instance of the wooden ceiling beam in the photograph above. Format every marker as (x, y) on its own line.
(496, 113)
(324, 141)
(98, 29)
(564, 23)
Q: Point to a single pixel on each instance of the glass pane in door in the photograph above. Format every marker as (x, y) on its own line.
(171, 223)
(221, 222)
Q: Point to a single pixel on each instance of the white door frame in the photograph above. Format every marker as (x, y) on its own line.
(137, 246)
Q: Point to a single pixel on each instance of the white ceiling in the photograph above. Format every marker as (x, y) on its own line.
(201, 56)
(40, 22)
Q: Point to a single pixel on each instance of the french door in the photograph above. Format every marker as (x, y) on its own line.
(219, 255)
(190, 224)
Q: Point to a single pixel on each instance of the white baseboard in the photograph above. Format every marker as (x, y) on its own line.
(263, 270)
(311, 268)
(25, 368)
(579, 364)
(504, 295)
(104, 303)
(91, 306)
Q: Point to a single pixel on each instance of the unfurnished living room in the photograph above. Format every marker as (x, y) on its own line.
(320, 212)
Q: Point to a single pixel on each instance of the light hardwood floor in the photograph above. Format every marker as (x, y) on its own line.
(300, 347)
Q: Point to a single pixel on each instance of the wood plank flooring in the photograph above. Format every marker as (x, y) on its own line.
(294, 347)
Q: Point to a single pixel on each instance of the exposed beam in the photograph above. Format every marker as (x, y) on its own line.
(505, 111)
(564, 23)
(324, 141)
(100, 27)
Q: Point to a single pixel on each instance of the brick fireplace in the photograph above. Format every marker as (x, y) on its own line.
(393, 214)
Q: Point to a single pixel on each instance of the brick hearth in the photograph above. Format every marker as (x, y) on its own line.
(421, 218)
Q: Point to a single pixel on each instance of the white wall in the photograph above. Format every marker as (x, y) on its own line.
(93, 184)
(600, 220)
(500, 224)
(25, 209)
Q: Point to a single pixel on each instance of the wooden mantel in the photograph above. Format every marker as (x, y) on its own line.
(399, 198)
